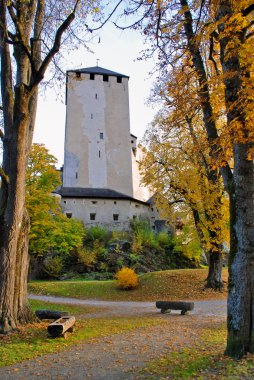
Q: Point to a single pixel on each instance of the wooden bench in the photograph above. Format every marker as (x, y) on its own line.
(50, 314)
(167, 306)
(61, 326)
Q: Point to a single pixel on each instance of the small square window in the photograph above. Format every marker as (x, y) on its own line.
(105, 78)
(91, 76)
(78, 75)
(92, 216)
(115, 202)
(94, 202)
(119, 79)
(115, 217)
(101, 135)
(65, 202)
(69, 215)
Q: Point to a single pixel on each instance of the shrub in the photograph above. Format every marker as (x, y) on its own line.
(53, 266)
(97, 233)
(144, 236)
(164, 239)
(126, 278)
(86, 256)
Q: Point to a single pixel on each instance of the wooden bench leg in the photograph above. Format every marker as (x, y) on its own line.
(164, 311)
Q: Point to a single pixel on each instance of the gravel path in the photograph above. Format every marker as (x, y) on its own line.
(119, 357)
(202, 308)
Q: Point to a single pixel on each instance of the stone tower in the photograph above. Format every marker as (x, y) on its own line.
(97, 138)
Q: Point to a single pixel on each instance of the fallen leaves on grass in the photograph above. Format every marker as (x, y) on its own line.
(187, 284)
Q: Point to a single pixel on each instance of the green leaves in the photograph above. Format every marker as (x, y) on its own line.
(50, 230)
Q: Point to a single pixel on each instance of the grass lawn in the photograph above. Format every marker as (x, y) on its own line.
(32, 341)
(201, 359)
(204, 360)
(185, 284)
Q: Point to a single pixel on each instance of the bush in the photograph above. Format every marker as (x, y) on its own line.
(164, 239)
(53, 266)
(126, 278)
(86, 256)
(143, 236)
(97, 233)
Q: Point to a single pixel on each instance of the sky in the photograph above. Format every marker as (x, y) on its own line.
(114, 50)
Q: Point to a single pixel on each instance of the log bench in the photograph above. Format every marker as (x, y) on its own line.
(167, 306)
(50, 314)
(61, 326)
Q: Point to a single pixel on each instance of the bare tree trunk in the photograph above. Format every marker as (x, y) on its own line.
(214, 278)
(241, 261)
(215, 255)
(241, 266)
(21, 306)
(15, 223)
(19, 97)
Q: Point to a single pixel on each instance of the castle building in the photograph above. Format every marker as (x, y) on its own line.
(101, 180)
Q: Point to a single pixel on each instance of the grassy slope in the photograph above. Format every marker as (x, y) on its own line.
(185, 284)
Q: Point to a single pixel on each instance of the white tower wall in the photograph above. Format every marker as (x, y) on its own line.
(97, 140)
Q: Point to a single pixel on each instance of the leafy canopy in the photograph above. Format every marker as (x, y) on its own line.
(50, 229)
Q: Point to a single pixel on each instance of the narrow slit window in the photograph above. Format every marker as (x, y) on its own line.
(99, 153)
(101, 135)
(76, 175)
(96, 96)
(92, 216)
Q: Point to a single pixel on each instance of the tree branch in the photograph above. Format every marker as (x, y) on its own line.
(211, 50)
(248, 10)
(4, 176)
(56, 47)
(6, 72)
(1, 134)
(107, 19)
(171, 203)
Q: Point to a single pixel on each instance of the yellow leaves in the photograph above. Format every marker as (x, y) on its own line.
(126, 278)
(96, 10)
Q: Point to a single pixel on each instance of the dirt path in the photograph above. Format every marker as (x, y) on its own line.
(119, 357)
(202, 308)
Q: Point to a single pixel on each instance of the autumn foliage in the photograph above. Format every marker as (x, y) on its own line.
(126, 279)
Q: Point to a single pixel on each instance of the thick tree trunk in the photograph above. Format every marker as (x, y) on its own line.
(215, 254)
(240, 125)
(21, 306)
(214, 278)
(14, 221)
(241, 269)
